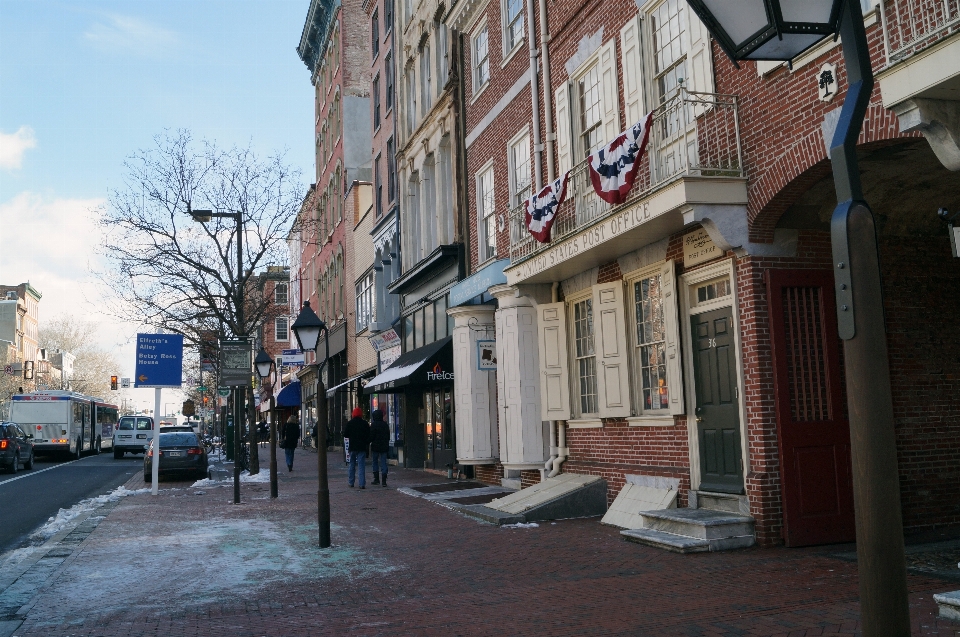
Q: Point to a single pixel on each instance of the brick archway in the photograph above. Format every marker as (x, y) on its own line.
(804, 164)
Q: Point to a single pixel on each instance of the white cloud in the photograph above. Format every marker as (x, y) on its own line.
(128, 34)
(14, 145)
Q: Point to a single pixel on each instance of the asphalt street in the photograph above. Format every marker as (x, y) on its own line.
(29, 498)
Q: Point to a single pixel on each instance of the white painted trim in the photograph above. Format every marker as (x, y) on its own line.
(585, 423)
(651, 421)
(688, 280)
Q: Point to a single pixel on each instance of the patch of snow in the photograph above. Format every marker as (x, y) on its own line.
(521, 525)
(64, 516)
(394, 373)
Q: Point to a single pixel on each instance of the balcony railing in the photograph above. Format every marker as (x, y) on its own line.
(693, 134)
(909, 26)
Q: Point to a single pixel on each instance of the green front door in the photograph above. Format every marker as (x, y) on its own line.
(717, 413)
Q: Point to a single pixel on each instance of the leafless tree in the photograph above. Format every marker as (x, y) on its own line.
(93, 365)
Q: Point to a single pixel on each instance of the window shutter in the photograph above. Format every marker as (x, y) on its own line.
(562, 109)
(671, 324)
(610, 339)
(609, 91)
(555, 392)
(699, 58)
(632, 65)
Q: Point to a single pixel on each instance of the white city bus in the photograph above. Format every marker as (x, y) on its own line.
(65, 421)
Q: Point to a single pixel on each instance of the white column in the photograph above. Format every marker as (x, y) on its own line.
(524, 437)
(476, 390)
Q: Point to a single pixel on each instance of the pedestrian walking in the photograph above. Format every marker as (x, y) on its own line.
(379, 445)
(357, 432)
(263, 431)
(291, 438)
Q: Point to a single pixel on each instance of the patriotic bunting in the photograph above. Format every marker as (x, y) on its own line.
(614, 167)
(540, 210)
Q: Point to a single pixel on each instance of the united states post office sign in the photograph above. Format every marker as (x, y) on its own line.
(699, 248)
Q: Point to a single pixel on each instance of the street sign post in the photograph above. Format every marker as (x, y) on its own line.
(124, 383)
(224, 391)
(159, 365)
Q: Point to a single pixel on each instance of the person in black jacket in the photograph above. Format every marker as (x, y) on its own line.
(357, 432)
(379, 445)
(291, 438)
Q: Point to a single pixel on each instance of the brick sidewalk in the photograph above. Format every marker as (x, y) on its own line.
(192, 563)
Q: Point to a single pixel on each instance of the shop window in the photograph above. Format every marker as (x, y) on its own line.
(585, 362)
(650, 345)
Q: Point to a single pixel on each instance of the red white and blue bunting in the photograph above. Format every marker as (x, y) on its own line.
(614, 167)
(540, 210)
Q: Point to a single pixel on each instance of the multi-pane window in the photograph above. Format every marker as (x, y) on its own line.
(280, 294)
(481, 59)
(650, 346)
(365, 302)
(411, 99)
(376, 102)
(388, 70)
(375, 34)
(391, 171)
(520, 168)
(513, 29)
(486, 206)
(586, 360)
(667, 24)
(426, 87)
(280, 328)
(387, 15)
(377, 186)
(441, 55)
(591, 113)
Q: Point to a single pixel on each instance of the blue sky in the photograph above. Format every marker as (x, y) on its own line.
(84, 84)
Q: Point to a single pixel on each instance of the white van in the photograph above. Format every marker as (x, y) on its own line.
(132, 435)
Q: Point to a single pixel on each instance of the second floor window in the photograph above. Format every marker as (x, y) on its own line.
(426, 86)
(520, 170)
(365, 302)
(281, 328)
(486, 208)
(481, 59)
(591, 112)
(376, 102)
(388, 71)
(668, 22)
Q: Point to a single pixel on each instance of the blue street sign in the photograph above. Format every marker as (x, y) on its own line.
(159, 360)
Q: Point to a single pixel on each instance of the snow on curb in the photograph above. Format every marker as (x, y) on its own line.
(63, 517)
(521, 525)
(245, 477)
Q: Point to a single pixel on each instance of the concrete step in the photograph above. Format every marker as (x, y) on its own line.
(667, 541)
(949, 604)
(704, 524)
(729, 502)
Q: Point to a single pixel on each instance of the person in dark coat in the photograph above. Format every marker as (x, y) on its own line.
(357, 432)
(291, 438)
(379, 445)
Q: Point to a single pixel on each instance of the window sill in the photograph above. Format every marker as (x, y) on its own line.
(508, 55)
(585, 423)
(651, 421)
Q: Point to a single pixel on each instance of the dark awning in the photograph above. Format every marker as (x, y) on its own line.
(425, 366)
(289, 396)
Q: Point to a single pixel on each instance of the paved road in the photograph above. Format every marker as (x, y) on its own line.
(29, 498)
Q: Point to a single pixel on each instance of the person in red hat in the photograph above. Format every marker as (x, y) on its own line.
(357, 432)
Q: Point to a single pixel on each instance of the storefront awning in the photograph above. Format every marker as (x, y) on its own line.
(345, 384)
(289, 396)
(425, 366)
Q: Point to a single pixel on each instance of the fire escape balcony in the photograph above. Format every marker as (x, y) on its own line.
(693, 157)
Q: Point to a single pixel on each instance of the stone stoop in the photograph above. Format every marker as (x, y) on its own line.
(729, 502)
(693, 530)
(949, 604)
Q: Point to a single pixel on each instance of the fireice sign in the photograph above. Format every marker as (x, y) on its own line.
(699, 248)
(437, 373)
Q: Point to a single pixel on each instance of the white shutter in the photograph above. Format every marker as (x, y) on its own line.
(699, 58)
(610, 344)
(561, 106)
(555, 390)
(632, 64)
(609, 91)
(671, 323)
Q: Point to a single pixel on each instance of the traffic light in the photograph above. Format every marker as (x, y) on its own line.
(113, 382)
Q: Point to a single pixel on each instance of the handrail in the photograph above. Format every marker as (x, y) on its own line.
(911, 26)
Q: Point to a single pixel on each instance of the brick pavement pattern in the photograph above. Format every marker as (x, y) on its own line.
(405, 566)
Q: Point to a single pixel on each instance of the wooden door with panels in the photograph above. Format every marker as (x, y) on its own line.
(813, 433)
(717, 409)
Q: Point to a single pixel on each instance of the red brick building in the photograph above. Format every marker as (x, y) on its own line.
(683, 343)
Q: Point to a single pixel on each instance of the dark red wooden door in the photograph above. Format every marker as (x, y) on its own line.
(812, 432)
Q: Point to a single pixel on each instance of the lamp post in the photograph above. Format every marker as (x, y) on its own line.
(307, 329)
(780, 30)
(203, 216)
(264, 363)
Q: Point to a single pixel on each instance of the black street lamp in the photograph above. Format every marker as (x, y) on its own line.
(307, 329)
(264, 364)
(203, 216)
(746, 29)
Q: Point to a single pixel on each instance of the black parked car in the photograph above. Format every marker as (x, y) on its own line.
(16, 447)
(180, 454)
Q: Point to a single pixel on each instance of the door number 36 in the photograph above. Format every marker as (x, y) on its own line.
(711, 342)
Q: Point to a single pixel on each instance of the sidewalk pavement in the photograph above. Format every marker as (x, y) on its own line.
(189, 562)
